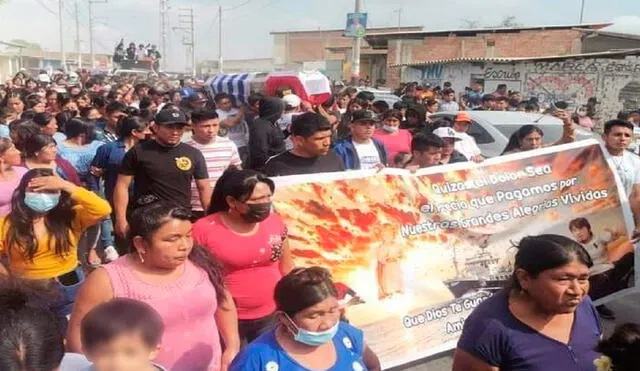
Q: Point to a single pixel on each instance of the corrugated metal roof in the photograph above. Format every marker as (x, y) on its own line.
(610, 53)
(396, 34)
(372, 29)
(604, 32)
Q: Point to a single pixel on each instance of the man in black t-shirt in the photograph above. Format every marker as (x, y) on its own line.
(311, 154)
(163, 167)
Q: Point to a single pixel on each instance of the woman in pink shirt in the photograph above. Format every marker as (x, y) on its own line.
(182, 282)
(10, 173)
(395, 140)
(250, 242)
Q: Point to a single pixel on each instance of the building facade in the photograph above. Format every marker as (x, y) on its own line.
(419, 46)
(12, 60)
(330, 52)
(613, 78)
(211, 67)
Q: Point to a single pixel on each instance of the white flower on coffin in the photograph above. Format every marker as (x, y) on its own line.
(603, 364)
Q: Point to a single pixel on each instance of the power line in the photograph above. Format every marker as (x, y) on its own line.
(237, 6)
(83, 25)
(272, 2)
(46, 7)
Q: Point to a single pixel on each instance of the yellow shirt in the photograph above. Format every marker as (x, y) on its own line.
(89, 210)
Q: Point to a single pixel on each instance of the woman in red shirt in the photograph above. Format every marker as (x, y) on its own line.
(251, 243)
(395, 140)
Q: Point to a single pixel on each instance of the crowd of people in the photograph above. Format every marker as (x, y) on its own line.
(137, 232)
(133, 55)
(444, 99)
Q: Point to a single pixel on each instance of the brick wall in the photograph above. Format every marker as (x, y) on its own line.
(531, 43)
(311, 46)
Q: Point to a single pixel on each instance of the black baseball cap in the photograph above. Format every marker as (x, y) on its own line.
(364, 115)
(170, 116)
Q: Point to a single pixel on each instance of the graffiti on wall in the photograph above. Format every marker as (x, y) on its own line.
(615, 82)
(588, 66)
(574, 89)
(432, 74)
(499, 74)
(630, 96)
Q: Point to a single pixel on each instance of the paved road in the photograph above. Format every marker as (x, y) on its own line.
(627, 309)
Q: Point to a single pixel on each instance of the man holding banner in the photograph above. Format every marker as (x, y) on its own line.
(617, 137)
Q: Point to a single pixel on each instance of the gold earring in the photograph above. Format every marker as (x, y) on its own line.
(141, 258)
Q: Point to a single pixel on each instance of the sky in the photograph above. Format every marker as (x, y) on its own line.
(246, 24)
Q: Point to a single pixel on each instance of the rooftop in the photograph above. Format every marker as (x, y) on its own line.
(377, 29)
(592, 33)
(609, 53)
(379, 39)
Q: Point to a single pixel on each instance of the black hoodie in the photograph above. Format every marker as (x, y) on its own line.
(265, 138)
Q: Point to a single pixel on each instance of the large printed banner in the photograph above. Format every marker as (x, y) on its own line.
(414, 254)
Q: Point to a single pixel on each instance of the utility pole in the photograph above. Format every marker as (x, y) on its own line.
(164, 20)
(399, 11)
(93, 56)
(357, 45)
(78, 35)
(63, 56)
(582, 11)
(186, 23)
(220, 38)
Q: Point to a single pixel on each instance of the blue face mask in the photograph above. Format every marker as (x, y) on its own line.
(314, 339)
(41, 202)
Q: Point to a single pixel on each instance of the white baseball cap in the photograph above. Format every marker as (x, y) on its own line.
(291, 101)
(446, 132)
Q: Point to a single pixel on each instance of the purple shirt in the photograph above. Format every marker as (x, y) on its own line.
(7, 187)
(494, 335)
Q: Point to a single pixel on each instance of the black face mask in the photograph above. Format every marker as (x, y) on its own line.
(257, 212)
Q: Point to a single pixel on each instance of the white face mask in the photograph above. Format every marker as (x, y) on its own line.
(390, 129)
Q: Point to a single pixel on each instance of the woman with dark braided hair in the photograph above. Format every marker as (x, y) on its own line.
(181, 281)
(41, 233)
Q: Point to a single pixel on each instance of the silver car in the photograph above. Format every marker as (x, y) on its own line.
(492, 129)
(384, 95)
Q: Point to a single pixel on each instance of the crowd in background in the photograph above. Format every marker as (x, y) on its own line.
(125, 202)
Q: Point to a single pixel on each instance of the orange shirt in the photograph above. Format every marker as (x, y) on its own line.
(89, 210)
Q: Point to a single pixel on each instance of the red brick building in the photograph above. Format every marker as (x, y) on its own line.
(419, 46)
(330, 51)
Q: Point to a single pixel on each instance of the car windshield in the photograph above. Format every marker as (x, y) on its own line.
(387, 97)
(551, 132)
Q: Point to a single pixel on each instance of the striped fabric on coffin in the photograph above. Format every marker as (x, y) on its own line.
(237, 85)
